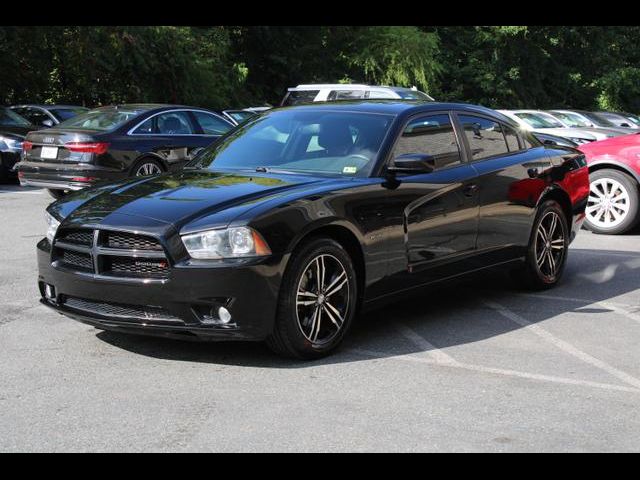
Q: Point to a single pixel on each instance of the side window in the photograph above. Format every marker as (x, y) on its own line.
(146, 128)
(485, 137)
(432, 135)
(381, 94)
(345, 94)
(511, 137)
(174, 123)
(296, 97)
(212, 125)
(35, 116)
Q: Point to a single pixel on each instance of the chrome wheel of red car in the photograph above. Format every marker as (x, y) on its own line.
(608, 203)
(613, 202)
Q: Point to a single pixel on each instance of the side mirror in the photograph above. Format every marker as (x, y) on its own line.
(625, 125)
(47, 123)
(413, 163)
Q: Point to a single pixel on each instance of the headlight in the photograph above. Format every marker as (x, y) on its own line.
(11, 144)
(52, 225)
(226, 243)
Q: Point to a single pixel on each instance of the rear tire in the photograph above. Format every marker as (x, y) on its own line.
(547, 251)
(147, 167)
(317, 301)
(614, 204)
(56, 193)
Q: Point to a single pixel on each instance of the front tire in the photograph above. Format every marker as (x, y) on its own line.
(613, 207)
(547, 251)
(317, 301)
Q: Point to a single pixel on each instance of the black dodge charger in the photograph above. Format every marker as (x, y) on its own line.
(116, 142)
(292, 223)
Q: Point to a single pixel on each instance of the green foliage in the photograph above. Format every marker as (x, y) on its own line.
(235, 66)
(620, 90)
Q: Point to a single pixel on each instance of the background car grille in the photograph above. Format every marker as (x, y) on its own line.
(131, 241)
(110, 253)
(108, 309)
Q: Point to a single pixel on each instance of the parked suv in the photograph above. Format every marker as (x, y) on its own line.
(116, 142)
(345, 91)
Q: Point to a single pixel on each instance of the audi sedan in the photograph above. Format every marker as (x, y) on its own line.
(116, 142)
(291, 224)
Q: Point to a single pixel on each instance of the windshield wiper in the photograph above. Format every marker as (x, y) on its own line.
(273, 170)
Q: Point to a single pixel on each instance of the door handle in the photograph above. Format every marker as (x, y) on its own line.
(470, 190)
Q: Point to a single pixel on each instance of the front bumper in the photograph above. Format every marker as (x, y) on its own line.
(62, 176)
(173, 307)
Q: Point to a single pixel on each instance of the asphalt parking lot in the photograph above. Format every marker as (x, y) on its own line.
(477, 366)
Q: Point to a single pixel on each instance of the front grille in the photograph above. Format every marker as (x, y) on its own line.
(131, 241)
(79, 237)
(110, 253)
(138, 266)
(121, 311)
(77, 259)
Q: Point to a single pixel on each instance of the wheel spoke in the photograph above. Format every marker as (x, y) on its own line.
(543, 233)
(552, 263)
(554, 224)
(330, 310)
(318, 322)
(304, 293)
(335, 281)
(337, 287)
(540, 259)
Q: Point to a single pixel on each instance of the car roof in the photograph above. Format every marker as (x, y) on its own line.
(348, 86)
(47, 106)
(394, 107)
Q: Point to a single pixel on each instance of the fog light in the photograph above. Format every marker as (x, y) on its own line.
(224, 315)
(49, 292)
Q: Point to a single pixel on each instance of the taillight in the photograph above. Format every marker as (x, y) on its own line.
(26, 146)
(87, 147)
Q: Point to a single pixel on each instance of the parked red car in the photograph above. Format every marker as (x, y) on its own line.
(614, 171)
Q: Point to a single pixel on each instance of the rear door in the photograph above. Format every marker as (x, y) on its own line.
(507, 166)
(173, 135)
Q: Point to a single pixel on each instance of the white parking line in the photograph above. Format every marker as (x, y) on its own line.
(425, 346)
(617, 307)
(605, 254)
(563, 345)
(493, 371)
(22, 192)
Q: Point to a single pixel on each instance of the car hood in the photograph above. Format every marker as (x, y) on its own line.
(176, 199)
(567, 132)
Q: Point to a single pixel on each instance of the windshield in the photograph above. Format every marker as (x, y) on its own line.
(571, 119)
(301, 141)
(599, 120)
(63, 114)
(539, 121)
(10, 118)
(101, 120)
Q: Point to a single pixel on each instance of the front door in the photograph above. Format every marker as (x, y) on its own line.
(437, 211)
